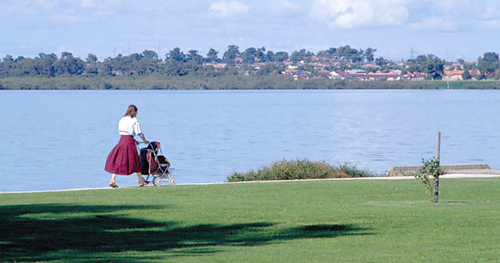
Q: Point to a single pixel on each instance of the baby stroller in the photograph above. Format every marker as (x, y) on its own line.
(155, 165)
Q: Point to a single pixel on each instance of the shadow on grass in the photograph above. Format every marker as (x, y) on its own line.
(95, 233)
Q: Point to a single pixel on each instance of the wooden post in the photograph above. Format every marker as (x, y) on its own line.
(436, 182)
(438, 145)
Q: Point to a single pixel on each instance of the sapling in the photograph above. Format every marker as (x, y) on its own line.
(429, 175)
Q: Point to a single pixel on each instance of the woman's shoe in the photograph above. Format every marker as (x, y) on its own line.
(113, 185)
(143, 183)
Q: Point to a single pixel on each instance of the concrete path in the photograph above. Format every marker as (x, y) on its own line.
(467, 173)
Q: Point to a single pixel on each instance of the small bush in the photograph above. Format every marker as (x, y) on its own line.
(300, 169)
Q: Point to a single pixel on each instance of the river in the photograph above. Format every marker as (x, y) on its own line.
(55, 140)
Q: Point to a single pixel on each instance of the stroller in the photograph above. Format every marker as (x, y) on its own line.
(155, 165)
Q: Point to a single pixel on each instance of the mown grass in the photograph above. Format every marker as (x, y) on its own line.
(300, 169)
(369, 220)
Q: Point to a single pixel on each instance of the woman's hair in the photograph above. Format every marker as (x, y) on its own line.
(131, 111)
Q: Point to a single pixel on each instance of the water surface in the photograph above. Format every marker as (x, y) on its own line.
(60, 139)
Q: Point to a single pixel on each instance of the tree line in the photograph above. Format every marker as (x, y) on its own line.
(251, 61)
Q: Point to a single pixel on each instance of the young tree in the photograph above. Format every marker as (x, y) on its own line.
(430, 168)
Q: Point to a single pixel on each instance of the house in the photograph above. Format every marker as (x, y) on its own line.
(296, 74)
(453, 75)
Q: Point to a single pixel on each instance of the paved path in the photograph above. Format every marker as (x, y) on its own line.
(483, 173)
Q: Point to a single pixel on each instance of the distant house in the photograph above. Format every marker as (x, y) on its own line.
(216, 65)
(296, 74)
(453, 75)
(338, 74)
(324, 73)
(371, 65)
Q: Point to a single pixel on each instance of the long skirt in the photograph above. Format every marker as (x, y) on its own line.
(123, 158)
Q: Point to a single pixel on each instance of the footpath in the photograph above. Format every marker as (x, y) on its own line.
(394, 173)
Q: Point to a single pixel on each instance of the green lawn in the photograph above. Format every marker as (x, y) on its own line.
(315, 221)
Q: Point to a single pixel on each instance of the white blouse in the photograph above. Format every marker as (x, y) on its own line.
(129, 126)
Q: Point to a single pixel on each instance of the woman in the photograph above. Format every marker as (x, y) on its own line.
(123, 159)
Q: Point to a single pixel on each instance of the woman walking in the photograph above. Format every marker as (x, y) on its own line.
(123, 158)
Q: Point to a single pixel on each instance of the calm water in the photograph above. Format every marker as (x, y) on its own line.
(60, 139)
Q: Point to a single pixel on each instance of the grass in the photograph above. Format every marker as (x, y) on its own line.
(470, 84)
(300, 169)
(314, 221)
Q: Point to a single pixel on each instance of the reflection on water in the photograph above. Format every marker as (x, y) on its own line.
(60, 139)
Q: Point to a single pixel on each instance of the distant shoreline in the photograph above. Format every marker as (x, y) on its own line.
(275, 82)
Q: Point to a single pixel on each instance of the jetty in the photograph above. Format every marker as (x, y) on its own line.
(451, 169)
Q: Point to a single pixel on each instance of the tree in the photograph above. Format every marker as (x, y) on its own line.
(349, 54)
(260, 55)
(231, 53)
(280, 56)
(8, 58)
(68, 64)
(212, 56)
(249, 55)
(47, 64)
(432, 65)
(489, 63)
(149, 54)
(466, 75)
(369, 54)
(194, 57)
(91, 58)
(302, 55)
(176, 54)
(430, 168)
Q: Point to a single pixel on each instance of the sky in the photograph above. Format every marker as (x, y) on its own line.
(397, 29)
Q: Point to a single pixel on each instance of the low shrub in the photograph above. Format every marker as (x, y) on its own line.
(300, 169)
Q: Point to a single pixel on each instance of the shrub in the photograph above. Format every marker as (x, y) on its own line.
(300, 169)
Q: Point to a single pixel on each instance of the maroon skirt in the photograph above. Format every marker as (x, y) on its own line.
(123, 159)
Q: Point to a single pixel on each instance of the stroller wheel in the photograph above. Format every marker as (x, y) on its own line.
(171, 181)
(157, 181)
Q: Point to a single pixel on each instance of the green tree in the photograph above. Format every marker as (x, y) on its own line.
(91, 58)
(430, 168)
(249, 55)
(369, 54)
(432, 66)
(47, 64)
(194, 57)
(68, 64)
(261, 55)
(302, 55)
(280, 56)
(176, 54)
(488, 64)
(212, 56)
(232, 52)
(149, 54)
(466, 75)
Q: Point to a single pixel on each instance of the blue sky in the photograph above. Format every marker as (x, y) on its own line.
(449, 29)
